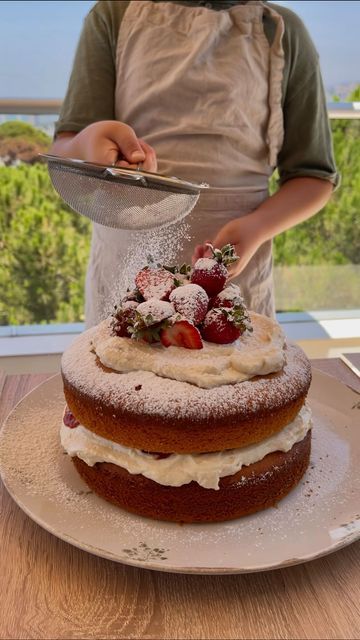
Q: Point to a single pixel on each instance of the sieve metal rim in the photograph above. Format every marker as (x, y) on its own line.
(126, 175)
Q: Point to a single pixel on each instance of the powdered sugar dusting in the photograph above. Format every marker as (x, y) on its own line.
(175, 400)
(205, 264)
(158, 309)
(214, 317)
(232, 293)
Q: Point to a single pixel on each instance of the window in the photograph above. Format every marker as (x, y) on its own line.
(44, 246)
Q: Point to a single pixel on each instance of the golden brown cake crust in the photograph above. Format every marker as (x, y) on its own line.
(253, 488)
(143, 411)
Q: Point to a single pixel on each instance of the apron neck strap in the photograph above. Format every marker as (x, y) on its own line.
(275, 131)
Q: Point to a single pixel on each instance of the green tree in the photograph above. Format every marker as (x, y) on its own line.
(19, 141)
(17, 129)
(44, 250)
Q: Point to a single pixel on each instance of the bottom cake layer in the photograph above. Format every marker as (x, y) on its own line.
(255, 487)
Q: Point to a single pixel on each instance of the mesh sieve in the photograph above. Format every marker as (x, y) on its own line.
(122, 198)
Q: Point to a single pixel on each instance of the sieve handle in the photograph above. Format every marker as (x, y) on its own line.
(116, 171)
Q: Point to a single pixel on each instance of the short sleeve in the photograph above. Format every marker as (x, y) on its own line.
(307, 148)
(90, 93)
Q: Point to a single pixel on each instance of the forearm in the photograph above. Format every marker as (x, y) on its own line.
(297, 200)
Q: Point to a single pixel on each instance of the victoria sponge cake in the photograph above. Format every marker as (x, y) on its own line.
(185, 406)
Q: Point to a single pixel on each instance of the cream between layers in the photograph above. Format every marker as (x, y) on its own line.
(253, 354)
(206, 469)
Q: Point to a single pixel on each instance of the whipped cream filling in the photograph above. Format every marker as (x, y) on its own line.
(178, 469)
(253, 354)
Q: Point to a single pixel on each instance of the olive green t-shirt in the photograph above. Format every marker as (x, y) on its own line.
(307, 147)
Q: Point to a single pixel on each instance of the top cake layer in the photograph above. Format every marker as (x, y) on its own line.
(143, 410)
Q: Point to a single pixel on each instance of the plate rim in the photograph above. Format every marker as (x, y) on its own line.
(152, 565)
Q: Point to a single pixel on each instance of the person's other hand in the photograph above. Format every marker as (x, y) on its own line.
(108, 142)
(245, 235)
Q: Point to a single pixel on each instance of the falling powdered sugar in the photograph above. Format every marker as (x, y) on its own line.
(163, 246)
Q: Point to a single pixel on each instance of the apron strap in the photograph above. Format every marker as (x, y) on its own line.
(275, 131)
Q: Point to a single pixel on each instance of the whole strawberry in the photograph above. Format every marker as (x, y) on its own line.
(191, 301)
(149, 318)
(154, 311)
(223, 326)
(229, 297)
(211, 273)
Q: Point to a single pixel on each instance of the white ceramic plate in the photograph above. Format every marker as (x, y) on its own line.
(320, 516)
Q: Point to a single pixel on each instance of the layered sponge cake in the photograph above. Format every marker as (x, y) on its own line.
(183, 405)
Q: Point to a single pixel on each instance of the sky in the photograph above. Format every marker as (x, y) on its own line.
(38, 41)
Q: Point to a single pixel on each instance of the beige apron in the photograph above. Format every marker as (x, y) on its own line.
(203, 87)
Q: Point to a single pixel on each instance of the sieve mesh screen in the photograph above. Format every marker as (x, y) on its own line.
(120, 203)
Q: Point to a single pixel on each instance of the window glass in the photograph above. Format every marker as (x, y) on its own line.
(44, 246)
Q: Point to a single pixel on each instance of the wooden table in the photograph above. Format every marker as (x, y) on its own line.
(49, 589)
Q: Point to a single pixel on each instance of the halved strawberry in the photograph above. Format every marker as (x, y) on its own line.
(181, 334)
(156, 454)
(155, 283)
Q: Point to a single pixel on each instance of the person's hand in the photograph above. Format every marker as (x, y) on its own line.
(244, 234)
(108, 142)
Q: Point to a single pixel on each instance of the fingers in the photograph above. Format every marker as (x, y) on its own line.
(220, 240)
(111, 143)
(201, 251)
(127, 165)
(128, 145)
(133, 151)
(150, 162)
(198, 253)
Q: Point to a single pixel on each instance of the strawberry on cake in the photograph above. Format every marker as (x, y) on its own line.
(184, 405)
